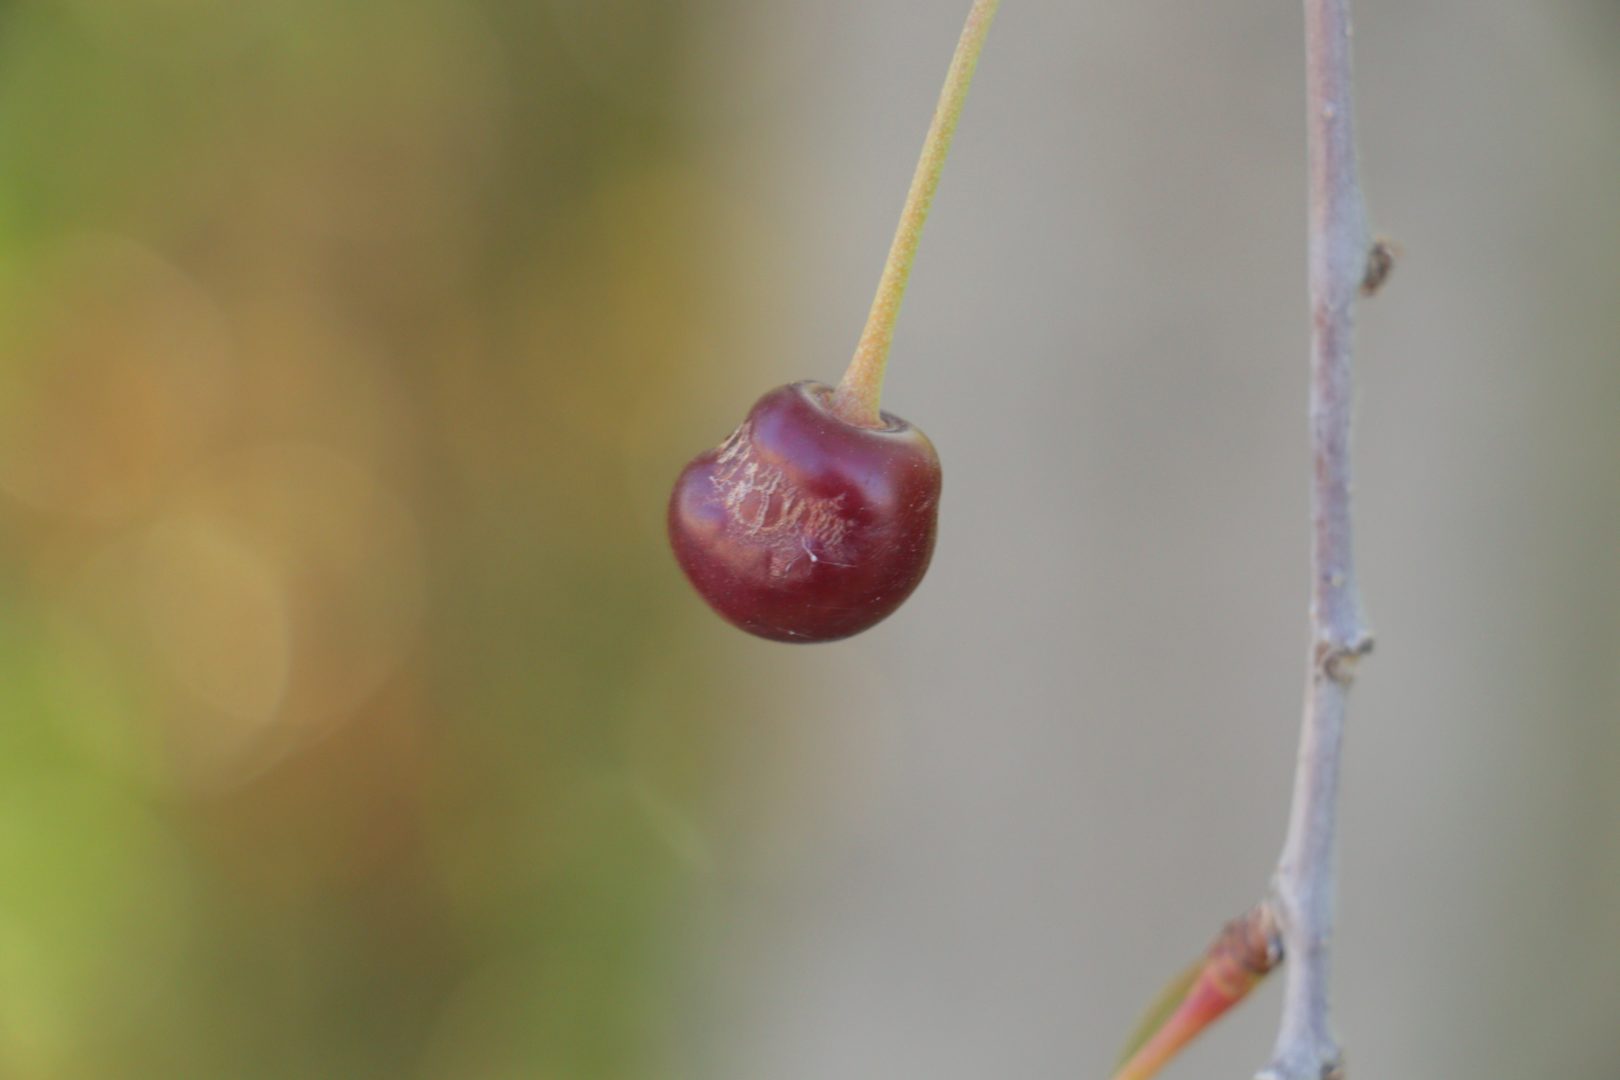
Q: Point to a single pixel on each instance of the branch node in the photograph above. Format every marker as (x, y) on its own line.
(1381, 258)
(1251, 943)
(1338, 662)
(1331, 1069)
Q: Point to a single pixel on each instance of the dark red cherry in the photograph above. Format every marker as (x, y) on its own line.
(802, 526)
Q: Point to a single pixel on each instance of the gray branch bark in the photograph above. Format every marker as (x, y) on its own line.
(1302, 895)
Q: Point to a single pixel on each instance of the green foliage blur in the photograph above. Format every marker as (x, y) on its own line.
(347, 724)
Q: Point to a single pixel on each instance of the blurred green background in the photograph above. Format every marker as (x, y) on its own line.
(354, 721)
(348, 728)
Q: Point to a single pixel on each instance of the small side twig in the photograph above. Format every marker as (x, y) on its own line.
(1241, 955)
(1302, 893)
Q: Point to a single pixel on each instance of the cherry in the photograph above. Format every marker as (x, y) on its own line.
(816, 518)
(803, 526)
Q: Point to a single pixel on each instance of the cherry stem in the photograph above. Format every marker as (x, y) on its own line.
(861, 389)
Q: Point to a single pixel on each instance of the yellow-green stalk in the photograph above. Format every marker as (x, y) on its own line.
(861, 389)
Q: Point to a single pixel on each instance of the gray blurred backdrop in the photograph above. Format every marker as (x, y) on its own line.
(355, 721)
(988, 830)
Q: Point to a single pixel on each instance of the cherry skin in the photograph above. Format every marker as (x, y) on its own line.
(802, 526)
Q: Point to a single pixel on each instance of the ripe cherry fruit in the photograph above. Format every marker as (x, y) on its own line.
(803, 526)
(816, 518)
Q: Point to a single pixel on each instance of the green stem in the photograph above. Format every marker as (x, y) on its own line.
(861, 389)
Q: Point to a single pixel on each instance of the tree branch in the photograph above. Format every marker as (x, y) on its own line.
(1296, 917)
(1302, 896)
